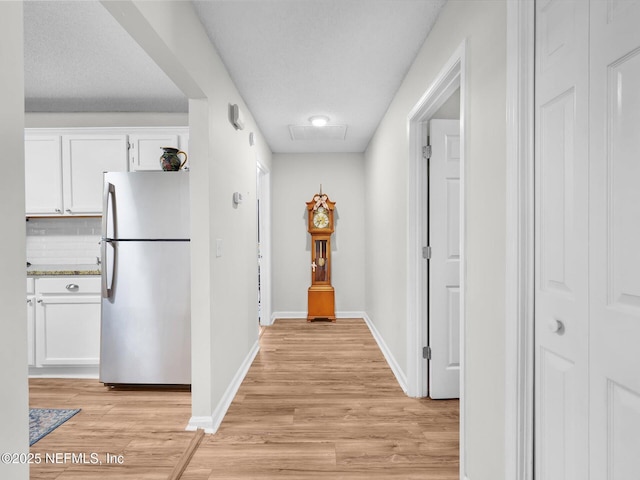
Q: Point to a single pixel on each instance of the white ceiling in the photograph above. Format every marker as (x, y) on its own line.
(290, 59)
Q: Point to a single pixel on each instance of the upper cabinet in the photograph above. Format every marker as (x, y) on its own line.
(63, 168)
(43, 174)
(84, 159)
(63, 173)
(146, 149)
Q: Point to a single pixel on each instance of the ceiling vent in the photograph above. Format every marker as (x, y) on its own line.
(309, 132)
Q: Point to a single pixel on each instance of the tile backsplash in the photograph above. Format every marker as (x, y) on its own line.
(68, 240)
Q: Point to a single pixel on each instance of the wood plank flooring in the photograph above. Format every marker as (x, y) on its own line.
(145, 427)
(319, 402)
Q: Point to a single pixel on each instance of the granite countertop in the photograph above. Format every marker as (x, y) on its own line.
(53, 270)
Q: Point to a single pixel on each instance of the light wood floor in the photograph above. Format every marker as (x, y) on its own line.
(319, 402)
(145, 427)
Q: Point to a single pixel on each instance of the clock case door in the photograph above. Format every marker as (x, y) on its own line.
(321, 259)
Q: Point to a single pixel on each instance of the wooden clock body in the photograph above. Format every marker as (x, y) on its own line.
(321, 296)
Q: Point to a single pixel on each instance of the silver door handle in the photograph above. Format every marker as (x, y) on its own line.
(109, 190)
(107, 290)
(72, 287)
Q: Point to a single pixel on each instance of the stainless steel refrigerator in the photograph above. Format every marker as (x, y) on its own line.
(146, 314)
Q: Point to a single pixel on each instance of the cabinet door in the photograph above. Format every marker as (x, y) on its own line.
(68, 330)
(85, 158)
(31, 319)
(146, 150)
(43, 174)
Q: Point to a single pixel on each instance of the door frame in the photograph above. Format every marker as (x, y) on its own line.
(451, 77)
(519, 275)
(264, 193)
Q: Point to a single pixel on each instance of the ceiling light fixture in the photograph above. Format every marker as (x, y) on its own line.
(319, 120)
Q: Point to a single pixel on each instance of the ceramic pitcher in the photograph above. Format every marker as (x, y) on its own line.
(170, 161)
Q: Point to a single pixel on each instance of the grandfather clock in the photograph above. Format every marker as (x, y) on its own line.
(321, 296)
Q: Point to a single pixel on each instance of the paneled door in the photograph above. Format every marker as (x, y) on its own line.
(84, 159)
(587, 404)
(614, 222)
(43, 174)
(444, 264)
(561, 255)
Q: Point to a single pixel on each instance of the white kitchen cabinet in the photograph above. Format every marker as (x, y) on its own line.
(63, 173)
(85, 158)
(31, 322)
(64, 167)
(43, 174)
(67, 321)
(146, 148)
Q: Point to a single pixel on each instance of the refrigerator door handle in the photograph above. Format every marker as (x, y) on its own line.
(108, 194)
(107, 290)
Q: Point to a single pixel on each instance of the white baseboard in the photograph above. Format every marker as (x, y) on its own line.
(71, 371)
(350, 314)
(287, 315)
(290, 315)
(212, 423)
(393, 364)
(202, 423)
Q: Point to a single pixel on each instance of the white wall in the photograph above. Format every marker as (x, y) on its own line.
(14, 396)
(483, 25)
(224, 288)
(295, 179)
(450, 110)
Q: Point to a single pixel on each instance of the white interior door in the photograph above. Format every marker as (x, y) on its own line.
(614, 223)
(444, 265)
(587, 407)
(561, 255)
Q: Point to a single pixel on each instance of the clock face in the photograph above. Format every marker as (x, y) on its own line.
(320, 218)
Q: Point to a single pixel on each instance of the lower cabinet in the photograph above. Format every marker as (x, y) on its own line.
(31, 322)
(67, 323)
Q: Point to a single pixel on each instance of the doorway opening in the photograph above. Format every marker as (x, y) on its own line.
(263, 196)
(449, 83)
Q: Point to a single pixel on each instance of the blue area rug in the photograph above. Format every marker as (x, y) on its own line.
(43, 421)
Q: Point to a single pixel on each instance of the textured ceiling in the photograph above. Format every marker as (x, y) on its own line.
(290, 59)
(79, 59)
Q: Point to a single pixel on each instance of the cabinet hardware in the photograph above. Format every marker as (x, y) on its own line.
(72, 286)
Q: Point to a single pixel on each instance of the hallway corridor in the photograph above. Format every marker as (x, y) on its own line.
(320, 402)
